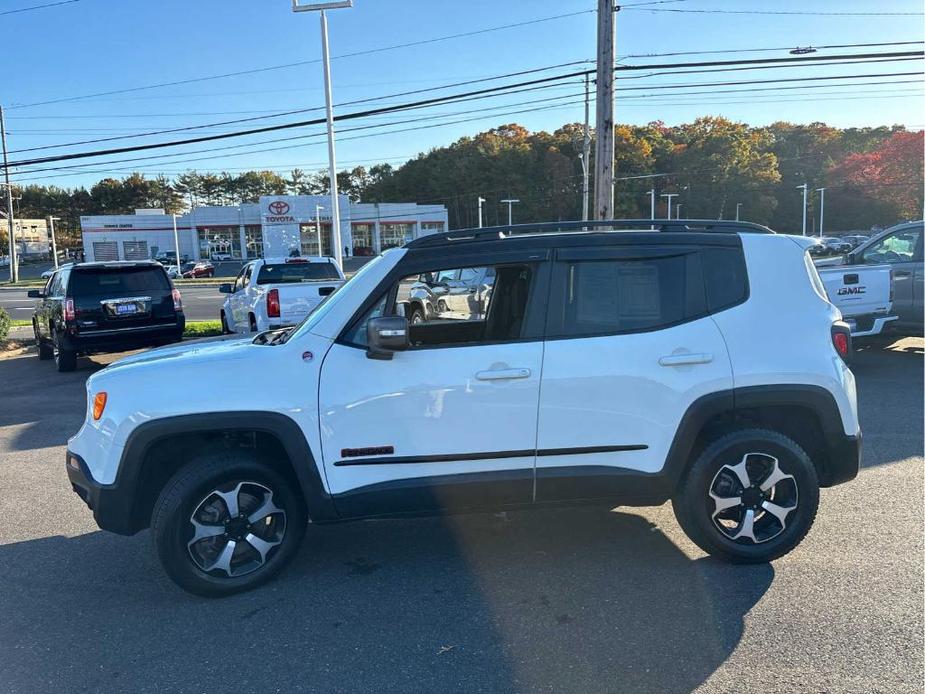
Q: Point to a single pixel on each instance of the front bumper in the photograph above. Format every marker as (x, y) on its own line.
(111, 510)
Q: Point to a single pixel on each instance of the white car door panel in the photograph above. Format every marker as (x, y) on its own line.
(436, 412)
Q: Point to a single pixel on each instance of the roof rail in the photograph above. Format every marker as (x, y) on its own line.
(589, 226)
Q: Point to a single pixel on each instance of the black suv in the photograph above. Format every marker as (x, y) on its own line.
(89, 308)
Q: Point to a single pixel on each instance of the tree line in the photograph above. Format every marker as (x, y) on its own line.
(872, 176)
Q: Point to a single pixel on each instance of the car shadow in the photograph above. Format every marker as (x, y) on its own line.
(584, 600)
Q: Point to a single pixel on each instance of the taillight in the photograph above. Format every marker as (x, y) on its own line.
(177, 301)
(69, 313)
(273, 303)
(841, 340)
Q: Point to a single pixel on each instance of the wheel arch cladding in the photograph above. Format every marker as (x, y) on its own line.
(143, 472)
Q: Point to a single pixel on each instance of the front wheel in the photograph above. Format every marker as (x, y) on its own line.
(225, 524)
(225, 330)
(749, 497)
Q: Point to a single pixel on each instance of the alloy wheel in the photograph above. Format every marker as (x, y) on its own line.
(235, 531)
(753, 499)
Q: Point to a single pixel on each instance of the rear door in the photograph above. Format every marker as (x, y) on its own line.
(630, 345)
(121, 296)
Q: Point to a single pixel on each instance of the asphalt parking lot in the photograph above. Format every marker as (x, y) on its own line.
(563, 601)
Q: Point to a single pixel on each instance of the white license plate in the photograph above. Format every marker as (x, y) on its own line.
(125, 309)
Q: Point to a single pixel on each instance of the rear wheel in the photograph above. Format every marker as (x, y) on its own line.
(226, 524)
(44, 349)
(417, 316)
(225, 330)
(253, 323)
(751, 496)
(65, 359)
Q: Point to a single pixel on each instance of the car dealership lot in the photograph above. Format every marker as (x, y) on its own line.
(557, 600)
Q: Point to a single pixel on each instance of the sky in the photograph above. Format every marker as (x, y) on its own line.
(78, 48)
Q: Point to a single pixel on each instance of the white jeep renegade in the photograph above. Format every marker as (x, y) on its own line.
(612, 363)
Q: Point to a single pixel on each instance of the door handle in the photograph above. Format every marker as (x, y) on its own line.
(502, 374)
(685, 359)
(901, 274)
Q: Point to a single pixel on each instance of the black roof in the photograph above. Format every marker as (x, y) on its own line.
(593, 228)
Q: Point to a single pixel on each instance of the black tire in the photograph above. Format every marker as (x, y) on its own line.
(253, 323)
(188, 489)
(65, 359)
(45, 350)
(416, 316)
(694, 507)
(225, 330)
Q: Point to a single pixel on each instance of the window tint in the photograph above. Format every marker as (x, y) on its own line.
(724, 276)
(283, 273)
(467, 311)
(118, 281)
(618, 296)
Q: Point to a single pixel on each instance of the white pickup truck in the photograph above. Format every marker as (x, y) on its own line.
(273, 293)
(863, 294)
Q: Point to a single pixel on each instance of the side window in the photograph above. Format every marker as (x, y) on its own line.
(898, 247)
(725, 277)
(627, 295)
(439, 317)
(239, 280)
(48, 285)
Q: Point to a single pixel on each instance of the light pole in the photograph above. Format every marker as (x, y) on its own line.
(54, 245)
(677, 211)
(821, 192)
(176, 242)
(805, 188)
(510, 205)
(318, 209)
(738, 207)
(332, 161)
(481, 200)
(669, 196)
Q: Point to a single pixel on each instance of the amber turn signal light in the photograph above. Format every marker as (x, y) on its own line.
(99, 404)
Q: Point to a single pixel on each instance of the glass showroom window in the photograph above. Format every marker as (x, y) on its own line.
(215, 242)
(395, 234)
(309, 240)
(253, 237)
(362, 239)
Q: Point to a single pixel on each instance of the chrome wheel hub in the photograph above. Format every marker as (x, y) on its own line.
(753, 499)
(235, 531)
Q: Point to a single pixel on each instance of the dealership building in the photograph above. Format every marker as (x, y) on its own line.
(277, 226)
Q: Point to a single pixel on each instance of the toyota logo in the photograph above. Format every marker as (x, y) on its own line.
(279, 207)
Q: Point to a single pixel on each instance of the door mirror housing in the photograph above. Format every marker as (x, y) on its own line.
(386, 335)
(225, 288)
(35, 294)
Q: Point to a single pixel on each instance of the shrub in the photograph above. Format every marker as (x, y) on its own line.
(5, 322)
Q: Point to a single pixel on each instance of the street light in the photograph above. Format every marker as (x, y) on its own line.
(677, 211)
(54, 246)
(805, 188)
(821, 192)
(738, 206)
(318, 209)
(669, 196)
(481, 200)
(332, 161)
(176, 243)
(510, 205)
(652, 205)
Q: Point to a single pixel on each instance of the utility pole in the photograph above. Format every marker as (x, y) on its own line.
(510, 204)
(669, 196)
(604, 150)
(805, 188)
(481, 200)
(11, 234)
(586, 152)
(821, 192)
(54, 245)
(332, 161)
(738, 206)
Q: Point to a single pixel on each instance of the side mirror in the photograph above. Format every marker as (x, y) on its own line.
(224, 288)
(851, 258)
(385, 335)
(35, 294)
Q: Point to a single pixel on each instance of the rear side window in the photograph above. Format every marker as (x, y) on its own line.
(627, 295)
(282, 273)
(724, 276)
(118, 281)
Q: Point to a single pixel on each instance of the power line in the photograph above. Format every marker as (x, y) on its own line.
(795, 61)
(799, 13)
(39, 7)
(767, 50)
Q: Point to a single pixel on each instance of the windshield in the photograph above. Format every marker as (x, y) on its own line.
(286, 273)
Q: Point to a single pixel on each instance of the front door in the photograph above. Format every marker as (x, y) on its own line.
(449, 423)
(902, 251)
(628, 350)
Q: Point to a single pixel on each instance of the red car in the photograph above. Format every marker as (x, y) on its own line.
(202, 269)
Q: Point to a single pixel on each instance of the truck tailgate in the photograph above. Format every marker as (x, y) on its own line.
(858, 290)
(297, 300)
